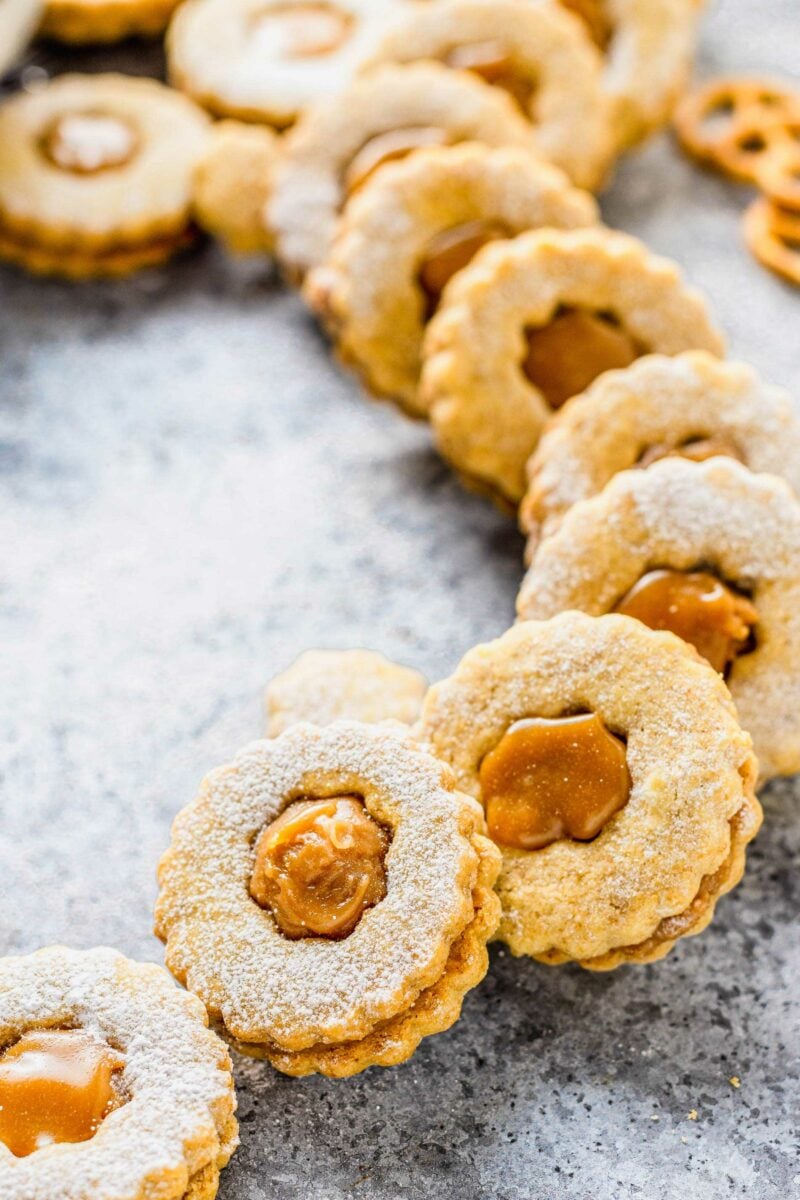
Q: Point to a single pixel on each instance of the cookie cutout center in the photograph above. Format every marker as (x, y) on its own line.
(695, 449)
(493, 62)
(389, 147)
(300, 31)
(450, 251)
(55, 1086)
(698, 607)
(87, 143)
(319, 866)
(549, 779)
(564, 357)
(594, 15)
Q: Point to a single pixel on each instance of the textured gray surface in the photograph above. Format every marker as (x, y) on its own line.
(191, 494)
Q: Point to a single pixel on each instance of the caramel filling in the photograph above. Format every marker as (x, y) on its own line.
(55, 1086)
(564, 357)
(492, 61)
(302, 30)
(696, 449)
(450, 251)
(86, 143)
(594, 16)
(319, 866)
(389, 147)
(548, 779)
(696, 606)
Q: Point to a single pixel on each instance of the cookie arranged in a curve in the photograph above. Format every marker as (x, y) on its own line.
(232, 182)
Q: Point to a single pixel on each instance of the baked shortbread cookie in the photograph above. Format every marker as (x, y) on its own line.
(323, 686)
(537, 53)
(268, 60)
(692, 406)
(407, 232)
(709, 551)
(532, 322)
(232, 182)
(615, 778)
(18, 21)
(96, 175)
(85, 21)
(329, 896)
(112, 1087)
(380, 117)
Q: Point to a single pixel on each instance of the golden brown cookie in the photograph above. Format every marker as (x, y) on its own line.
(407, 231)
(537, 53)
(96, 175)
(232, 182)
(615, 779)
(111, 1083)
(692, 405)
(323, 686)
(772, 234)
(84, 21)
(340, 977)
(533, 322)
(268, 60)
(336, 146)
(708, 550)
(18, 21)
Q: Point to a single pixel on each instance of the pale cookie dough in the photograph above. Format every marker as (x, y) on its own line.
(18, 21)
(487, 407)
(323, 686)
(86, 21)
(172, 1127)
(96, 174)
(268, 60)
(370, 294)
(682, 516)
(692, 405)
(535, 51)
(231, 184)
(656, 869)
(336, 146)
(311, 1002)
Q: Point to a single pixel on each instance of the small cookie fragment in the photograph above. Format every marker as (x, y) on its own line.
(88, 21)
(232, 183)
(323, 686)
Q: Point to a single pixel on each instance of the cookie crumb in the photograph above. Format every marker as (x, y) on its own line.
(735, 1081)
(692, 1116)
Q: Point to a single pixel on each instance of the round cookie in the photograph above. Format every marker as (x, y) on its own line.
(707, 549)
(555, 719)
(231, 184)
(692, 405)
(532, 322)
(407, 231)
(87, 21)
(379, 117)
(18, 21)
(772, 234)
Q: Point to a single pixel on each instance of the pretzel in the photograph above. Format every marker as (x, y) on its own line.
(772, 234)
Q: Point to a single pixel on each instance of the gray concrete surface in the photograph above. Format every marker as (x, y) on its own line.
(191, 494)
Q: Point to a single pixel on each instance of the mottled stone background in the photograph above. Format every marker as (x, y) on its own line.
(191, 494)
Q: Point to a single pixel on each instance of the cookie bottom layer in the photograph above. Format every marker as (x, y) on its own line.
(77, 265)
(82, 23)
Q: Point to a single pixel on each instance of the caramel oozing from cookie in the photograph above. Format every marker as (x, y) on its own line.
(564, 357)
(319, 866)
(55, 1086)
(450, 251)
(697, 449)
(301, 30)
(595, 17)
(389, 147)
(492, 61)
(87, 143)
(549, 779)
(696, 606)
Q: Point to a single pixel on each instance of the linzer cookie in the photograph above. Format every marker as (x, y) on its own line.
(536, 53)
(337, 146)
(323, 686)
(408, 231)
(692, 406)
(232, 182)
(615, 779)
(708, 551)
(329, 896)
(531, 323)
(96, 175)
(111, 1083)
(266, 60)
(84, 21)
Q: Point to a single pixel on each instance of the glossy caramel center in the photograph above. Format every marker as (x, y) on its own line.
(696, 606)
(55, 1086)
(564, 357)
(302, 30)
(548, 779)
(594, 15)
(389, 147)
(450, 251)
(319, 866)
(697, 449)
(87, 143)
(493, 62)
